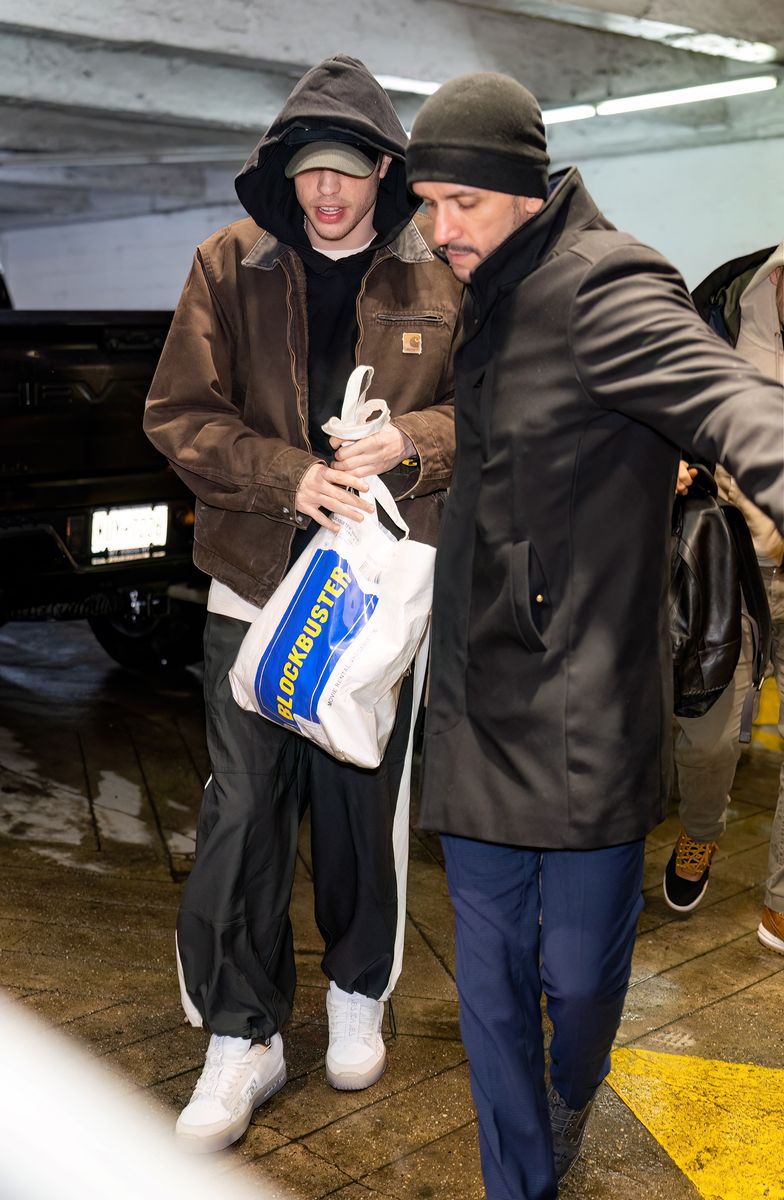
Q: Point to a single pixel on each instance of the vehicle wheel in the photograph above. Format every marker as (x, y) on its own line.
(166, 642)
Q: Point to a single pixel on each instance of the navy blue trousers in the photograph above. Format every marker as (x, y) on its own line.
(560, 922)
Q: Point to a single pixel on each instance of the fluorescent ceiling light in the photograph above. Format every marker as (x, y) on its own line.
(609, 108)
(689, 95)
(573, 112)
(721, 47)
(414, 87)
(679, 37)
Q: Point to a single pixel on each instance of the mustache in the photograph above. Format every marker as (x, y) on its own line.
(458, 248)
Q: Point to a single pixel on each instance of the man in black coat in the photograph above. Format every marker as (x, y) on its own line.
(547, 744)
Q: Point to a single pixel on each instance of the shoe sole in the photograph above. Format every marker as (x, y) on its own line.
(682, 908)
(346, 1082)
(568, 1168)
(769, 940)
(192, 1143)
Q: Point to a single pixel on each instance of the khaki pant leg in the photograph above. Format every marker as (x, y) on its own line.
(774, 895)
(706, 751)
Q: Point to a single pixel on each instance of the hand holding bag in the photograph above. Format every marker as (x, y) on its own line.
(326, 655)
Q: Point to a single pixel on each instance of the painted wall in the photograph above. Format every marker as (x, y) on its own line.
(699, 207)
(138, 262)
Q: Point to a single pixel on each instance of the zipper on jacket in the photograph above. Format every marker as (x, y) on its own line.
(302, 417)
(360, 298)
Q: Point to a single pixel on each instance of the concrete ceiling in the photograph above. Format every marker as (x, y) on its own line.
(121, 107)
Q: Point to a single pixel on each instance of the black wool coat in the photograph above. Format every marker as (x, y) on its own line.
(584, 367)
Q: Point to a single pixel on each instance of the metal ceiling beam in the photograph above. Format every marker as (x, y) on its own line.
(97, 78)
(188, 181)
(711, 29)
(18, 197)
(99, 96)
(31, 132)
(246, 26)
(754, 20)
(134, 206)
(758, 118)
(431, 41)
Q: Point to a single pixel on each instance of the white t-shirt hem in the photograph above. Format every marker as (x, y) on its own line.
(225, 603)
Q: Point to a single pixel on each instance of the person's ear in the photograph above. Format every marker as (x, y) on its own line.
(385, 161)
(775, 275)
(532, 204)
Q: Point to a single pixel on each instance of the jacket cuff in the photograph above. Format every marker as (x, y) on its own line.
(277, 489)
(434, 459)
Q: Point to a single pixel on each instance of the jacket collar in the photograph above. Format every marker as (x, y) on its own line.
(569, 206)
(409, 247)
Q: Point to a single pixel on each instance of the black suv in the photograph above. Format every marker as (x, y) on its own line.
(93, 521)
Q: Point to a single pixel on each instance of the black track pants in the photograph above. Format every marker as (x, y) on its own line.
(233, 930)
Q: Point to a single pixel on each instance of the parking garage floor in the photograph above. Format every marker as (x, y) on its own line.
(100, 780)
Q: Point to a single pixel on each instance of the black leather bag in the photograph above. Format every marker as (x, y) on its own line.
(713, 566)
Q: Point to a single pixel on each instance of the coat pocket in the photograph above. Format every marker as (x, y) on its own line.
(509, 606)
(410, 318)
(529, 600)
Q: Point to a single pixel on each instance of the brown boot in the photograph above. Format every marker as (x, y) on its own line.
(770, 930)
(686, 876)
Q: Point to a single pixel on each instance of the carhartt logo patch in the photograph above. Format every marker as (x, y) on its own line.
(412, 343)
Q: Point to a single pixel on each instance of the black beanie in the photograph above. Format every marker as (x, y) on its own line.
(484, 131)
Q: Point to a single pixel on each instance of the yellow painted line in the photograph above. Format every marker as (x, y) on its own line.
(768, 709)
(767, 738)
(721, 1123)
(764, 731)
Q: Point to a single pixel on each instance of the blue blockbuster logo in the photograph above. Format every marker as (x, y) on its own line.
(325, 614)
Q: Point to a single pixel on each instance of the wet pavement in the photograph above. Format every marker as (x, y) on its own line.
(100, 781)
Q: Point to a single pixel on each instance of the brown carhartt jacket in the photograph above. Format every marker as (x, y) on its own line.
(228, 404)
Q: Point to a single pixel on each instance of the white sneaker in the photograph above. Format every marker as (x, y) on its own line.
(357, 1056)
(236, 1079)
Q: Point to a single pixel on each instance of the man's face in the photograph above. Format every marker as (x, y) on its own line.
(339, 208)
(470, 223)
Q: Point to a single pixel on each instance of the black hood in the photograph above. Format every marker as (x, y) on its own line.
(339, 93)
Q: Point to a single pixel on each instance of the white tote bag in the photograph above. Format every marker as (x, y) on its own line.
(327, 654)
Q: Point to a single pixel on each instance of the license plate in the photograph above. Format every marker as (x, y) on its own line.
(129, 531)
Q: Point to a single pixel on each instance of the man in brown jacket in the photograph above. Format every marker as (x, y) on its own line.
(331, 270)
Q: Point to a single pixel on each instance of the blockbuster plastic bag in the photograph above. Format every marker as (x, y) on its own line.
(328, 652)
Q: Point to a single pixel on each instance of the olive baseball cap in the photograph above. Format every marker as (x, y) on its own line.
(327, 155)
